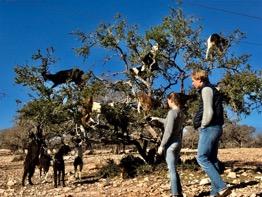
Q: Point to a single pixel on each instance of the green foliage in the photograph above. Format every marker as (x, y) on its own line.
(145, 169)
(110, 170)
(243, 90)
(30, 76)
(181, 50)
(237, 135)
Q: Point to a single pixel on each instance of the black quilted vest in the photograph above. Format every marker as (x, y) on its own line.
(218, 116)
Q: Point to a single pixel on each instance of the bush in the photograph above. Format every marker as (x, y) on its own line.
(129, 166)
(110, 170)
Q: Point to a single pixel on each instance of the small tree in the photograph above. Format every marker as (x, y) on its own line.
(235, 135)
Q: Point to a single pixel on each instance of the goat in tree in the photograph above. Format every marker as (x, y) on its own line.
(144, 102)
(149, 63)
(75, 75)
(215, 41)
(86, 110)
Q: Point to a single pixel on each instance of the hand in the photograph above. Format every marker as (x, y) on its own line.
(153, 118)
(160, 150)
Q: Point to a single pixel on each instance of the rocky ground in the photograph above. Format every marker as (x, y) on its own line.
(243, 174)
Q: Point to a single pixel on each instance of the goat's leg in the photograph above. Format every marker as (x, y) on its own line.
(45, 178)
(55, 177)
(59, 175)
(75, 170)
(30, 174)
(80, 175)
(80, 171)
(63, 177)
(45, 174)
(40, 170)
(30, 180)
(24, 177)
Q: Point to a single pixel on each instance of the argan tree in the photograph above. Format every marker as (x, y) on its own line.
(180, 50)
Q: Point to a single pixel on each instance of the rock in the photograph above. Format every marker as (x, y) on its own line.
(17, 158)
(204, 181)
(5, 152)
(2, 191)
(233, 194)
(236, 181)
(146, 179)
(11, 183)
(227, 171)
(232, 175)
(66, 189)
(258, 177)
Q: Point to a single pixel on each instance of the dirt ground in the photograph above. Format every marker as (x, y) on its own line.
(243, 174)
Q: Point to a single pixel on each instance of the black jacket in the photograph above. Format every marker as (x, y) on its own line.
(218, 116)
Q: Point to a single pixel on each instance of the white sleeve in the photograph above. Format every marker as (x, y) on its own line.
(207, 96)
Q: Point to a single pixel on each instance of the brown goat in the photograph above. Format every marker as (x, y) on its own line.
(144, 101)
(86, 110)
(74, 75)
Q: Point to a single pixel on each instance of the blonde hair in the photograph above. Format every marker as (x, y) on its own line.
(200, 75)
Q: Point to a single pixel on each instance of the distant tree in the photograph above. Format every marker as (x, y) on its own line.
(257, 141)
(13, 139)
(190, 138)
(180, 50)
(235, 135)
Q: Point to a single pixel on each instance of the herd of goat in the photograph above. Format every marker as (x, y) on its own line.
(38, 154)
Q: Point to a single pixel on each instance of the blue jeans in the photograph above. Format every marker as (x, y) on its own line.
(172, 156)
(207, 156)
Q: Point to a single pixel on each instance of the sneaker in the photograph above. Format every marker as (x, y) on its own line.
(224, 192)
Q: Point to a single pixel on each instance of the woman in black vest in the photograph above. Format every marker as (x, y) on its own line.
(209, 118)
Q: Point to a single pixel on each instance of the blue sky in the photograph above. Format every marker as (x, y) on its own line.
(28, 25)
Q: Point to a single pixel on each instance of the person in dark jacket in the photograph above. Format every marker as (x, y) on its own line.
(209, 119)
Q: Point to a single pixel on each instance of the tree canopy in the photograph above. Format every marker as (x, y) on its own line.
(181, 49)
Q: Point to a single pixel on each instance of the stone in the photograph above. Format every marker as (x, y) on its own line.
(258, 177)
(232, 175)
(204, 181)
(11, 183)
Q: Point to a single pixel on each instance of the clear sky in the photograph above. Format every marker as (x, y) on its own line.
(28, 25)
